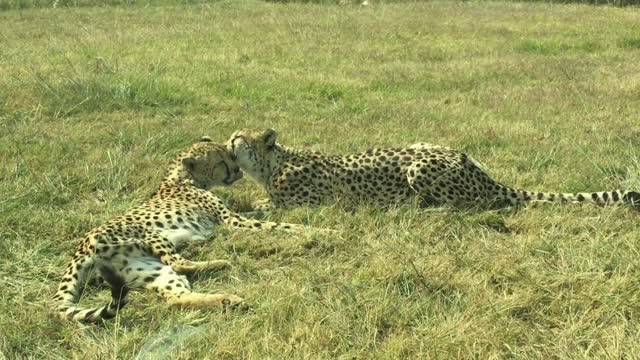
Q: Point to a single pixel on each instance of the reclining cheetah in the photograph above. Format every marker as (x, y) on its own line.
(139, 248)
(437, 174)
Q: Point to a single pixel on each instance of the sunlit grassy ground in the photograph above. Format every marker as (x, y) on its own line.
(95, 101)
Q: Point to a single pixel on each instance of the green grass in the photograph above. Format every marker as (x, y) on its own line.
(631, 43)
(95, 100)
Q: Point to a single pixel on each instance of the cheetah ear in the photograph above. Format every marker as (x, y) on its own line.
(269, 137)
(205, 139)
(189, 163)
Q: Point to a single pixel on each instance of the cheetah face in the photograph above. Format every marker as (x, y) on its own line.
(210, 165)
(252, 149)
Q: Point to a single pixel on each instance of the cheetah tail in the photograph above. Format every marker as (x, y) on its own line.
(602, 198)
(119, 290)
(69, 309)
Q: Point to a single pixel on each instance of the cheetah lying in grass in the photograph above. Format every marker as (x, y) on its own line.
(435, 174)
(138, 250)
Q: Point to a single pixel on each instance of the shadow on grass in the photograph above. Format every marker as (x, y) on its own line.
(170, 341)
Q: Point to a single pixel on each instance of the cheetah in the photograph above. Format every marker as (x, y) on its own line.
(434, 175)
(138, 249)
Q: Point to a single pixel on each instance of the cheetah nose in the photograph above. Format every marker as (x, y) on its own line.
(236, 174)
(233, 178)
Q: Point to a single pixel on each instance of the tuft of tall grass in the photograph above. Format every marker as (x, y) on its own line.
(70, 95)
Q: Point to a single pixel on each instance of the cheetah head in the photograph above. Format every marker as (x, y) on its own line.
(209, 164)
(253, 150)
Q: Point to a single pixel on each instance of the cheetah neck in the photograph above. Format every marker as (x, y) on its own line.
(264, 170)
(177, 175)
(284, 154)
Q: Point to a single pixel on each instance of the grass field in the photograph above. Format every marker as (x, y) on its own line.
(95, 100)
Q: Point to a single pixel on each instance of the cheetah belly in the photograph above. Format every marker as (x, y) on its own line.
(184, 235)
(137, 270)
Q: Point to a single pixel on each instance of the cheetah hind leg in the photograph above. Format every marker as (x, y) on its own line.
(150, 273)
(161, 248)
(188, 266)
(96, 280)
(204, 301)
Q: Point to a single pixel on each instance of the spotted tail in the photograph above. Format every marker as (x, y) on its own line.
(602, 198)
(71, 288)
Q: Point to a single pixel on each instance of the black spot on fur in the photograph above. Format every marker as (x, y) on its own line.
(614, 196)
(632, 198)
(103, 314)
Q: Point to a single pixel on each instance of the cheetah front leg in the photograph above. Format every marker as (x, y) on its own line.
(263, 205)
(259, 208)
(241, 222)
